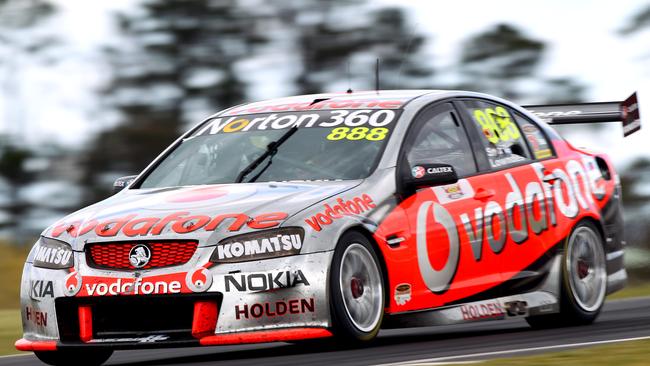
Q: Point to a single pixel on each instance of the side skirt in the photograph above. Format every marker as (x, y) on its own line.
(522, 305)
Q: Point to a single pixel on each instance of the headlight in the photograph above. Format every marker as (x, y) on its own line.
(259, 245)
(50, 253)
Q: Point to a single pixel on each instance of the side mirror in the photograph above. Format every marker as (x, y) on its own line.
(123, 182)
(427, 175)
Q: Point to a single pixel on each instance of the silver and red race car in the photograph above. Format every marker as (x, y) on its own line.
(336, 215)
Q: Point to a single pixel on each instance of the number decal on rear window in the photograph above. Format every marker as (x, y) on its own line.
(497, 125)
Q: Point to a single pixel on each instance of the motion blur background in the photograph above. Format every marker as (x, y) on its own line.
(93, 90)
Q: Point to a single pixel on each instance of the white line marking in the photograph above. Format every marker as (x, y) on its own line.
(522, 350)
(16, 355)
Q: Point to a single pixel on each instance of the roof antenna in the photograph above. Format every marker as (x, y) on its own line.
(349, 91)
(377, 76)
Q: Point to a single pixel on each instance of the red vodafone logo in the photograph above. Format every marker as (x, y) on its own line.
(199, 194)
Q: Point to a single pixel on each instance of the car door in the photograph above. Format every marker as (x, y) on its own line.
(514, 208)
(441, 265)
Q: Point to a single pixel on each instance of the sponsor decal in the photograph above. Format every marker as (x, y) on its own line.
(148, 339)
(452, 192)
(178, 222)
(549, 115)
(140, 255)
(417, 171)
(259, 245)
(264, 281)
(36, 317)
(402, 293)
(128, 286)
(53, 254)
(199, 280)
(325, 104)
(480, 311)
(40, 289)
(278, 308)
(72, 284)
(375, 120)
(340, 209)
(535, 204)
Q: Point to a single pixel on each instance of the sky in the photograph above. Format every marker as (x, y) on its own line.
(582, 37)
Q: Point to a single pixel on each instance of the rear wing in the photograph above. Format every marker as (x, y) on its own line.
(626, 111)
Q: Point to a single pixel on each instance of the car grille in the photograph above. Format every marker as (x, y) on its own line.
(116, 255)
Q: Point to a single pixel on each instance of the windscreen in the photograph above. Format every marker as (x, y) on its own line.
(327, 145)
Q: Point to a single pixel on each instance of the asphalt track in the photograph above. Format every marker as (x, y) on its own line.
(624, 319)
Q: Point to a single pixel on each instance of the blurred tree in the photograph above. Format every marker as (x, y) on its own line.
(22, 43)
(637, 22)
(334, 38)
(12, 169)
(177, 64)
(504, 61)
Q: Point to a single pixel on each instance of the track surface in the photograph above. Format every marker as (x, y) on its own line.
(619, 320)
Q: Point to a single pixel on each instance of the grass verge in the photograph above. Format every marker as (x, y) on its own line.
(632, 290)
(12, 259)
(633, 353)
(10, 330)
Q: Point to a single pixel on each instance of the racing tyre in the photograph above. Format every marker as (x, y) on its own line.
(357, 289)
(584, 280)
(87, 357)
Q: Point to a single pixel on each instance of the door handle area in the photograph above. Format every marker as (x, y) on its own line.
(484, 194)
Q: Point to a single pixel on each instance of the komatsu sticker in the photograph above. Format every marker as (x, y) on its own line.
(255, 246)
(374, 123)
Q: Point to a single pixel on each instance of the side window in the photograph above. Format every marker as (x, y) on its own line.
(438, 137)
(537, 141)
(501, 138)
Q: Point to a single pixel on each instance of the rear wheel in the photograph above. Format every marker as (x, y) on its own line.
(357, 289)
(584, 280)
(67, 357)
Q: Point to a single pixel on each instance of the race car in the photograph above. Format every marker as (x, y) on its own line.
(336, 215)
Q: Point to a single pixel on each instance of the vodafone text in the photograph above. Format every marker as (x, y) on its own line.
(131, 287)
(342, 208)
(179, 222)
(535, 206)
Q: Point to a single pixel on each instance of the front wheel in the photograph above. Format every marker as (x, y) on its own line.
(357, 289)
(65, 357)
(584, 280)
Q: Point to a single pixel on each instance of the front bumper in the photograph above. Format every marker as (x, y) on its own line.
(280, 299)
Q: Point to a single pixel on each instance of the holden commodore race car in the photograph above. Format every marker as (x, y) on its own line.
(336, 215)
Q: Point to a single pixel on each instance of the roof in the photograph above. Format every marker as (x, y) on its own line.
(389, 99)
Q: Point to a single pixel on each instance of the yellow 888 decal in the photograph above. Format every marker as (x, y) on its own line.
(497, 124)
(358, 133)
